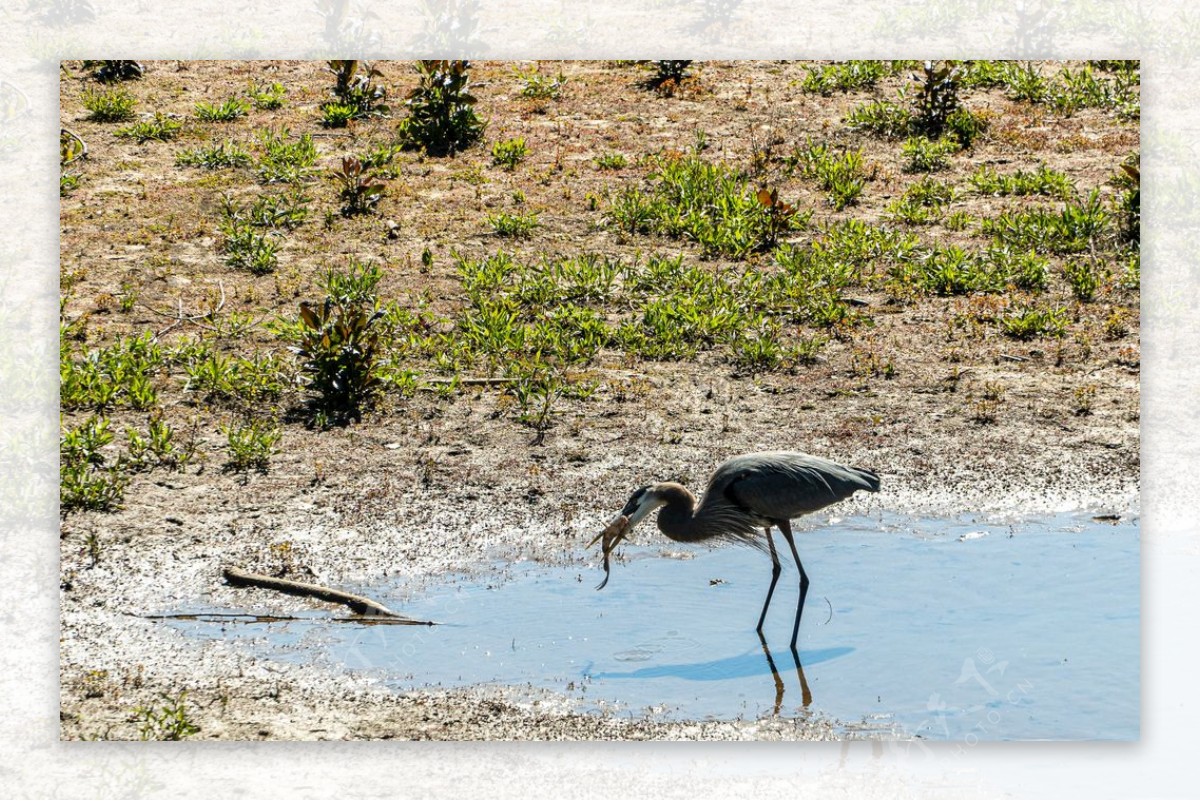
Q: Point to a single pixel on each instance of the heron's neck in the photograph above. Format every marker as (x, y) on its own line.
(677, 517)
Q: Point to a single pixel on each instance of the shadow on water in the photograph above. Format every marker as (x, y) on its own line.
(947, 629)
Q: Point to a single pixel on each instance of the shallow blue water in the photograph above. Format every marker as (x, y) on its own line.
(947, 629)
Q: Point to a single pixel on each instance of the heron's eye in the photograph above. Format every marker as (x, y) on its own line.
(634, 500)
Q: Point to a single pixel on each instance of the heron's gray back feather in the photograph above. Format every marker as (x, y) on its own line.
(781, 485)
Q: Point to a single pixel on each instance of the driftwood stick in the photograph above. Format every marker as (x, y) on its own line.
(361, 605)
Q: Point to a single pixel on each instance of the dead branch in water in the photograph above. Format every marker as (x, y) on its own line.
(361, 605)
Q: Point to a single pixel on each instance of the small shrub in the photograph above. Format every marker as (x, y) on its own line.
(111, 71)
(442, 118)
(669, 71)
(1129, 203)
(337, 115)
(937, 97)
(357, 285)
(1085, 276)
(922, 203)
(340, 350)
(1043, 181)
(1085, 400)
(248, 249)
(964, 126)
(108, 105)
(355, 93)
(360, 192)
(85, 479)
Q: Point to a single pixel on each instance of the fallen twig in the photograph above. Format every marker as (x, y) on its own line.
(361, 605)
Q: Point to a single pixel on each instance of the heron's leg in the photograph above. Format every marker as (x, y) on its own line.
(776, 569)
(774, 674)
(786, 527)
(805, 692)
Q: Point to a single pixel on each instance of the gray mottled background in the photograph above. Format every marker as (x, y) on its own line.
(35, 34)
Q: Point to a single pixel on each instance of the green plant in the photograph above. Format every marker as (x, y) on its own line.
(538, 86)
(108, 105)
(509, 152)
(1025, 83)
(611, 161)
(842, 175)
(252, 444)
(158, 446)
(922, 203)
(168, 722)
(880, 117)
(267, 97)
(1075, 228)
(1083, 88)
(844, 77)
(287, 210)
(248, 249)
(360, 192)
(922, 154)
(518, 226)
(68, 182)
(441, 118)
(340, 349)
(758, 352)
(1085, 400)
(337, 115)
(1085, 276)
(964, 126)
(160, 128)
(1043, 181)
(356, 285)
(1129, 203)
(284, 158)
(118, 375)
(706, 202)
(381, 156)
(230, 110)
(214, 157)
(85, 480)
(1032, 322)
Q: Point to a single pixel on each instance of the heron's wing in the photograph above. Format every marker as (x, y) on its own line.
(781, 486)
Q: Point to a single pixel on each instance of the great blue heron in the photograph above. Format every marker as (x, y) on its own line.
(746, 494)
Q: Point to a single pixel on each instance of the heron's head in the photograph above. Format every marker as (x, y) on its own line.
(641, 503)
